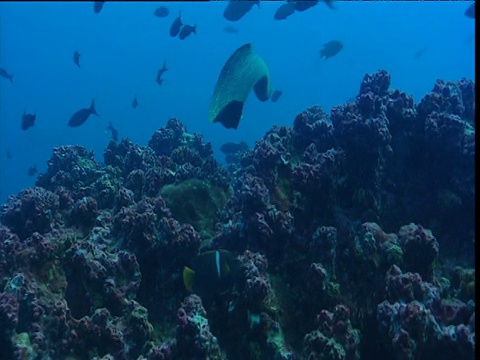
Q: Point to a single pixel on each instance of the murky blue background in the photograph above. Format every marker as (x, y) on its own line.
(123, 47)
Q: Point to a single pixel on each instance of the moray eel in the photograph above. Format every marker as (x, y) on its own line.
(242, 72)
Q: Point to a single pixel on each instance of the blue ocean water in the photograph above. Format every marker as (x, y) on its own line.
(124, 45)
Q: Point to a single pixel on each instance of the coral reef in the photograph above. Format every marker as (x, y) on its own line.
(353, 232)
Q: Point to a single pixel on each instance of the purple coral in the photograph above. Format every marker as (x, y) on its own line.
(420, 249)
(378, 83)
(255, 285)
(335, 338)
(193, 337)
(32, 210)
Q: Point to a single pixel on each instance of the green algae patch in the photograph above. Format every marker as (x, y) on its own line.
(196, 202)
(24, 345)
(86, 163)
(282, 194)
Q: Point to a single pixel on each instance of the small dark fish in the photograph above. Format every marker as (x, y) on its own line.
(135, 102)
(80, 116)
(32, 170)
(97, 6)
(187, 30)
(160, 72)
(214, 273)
(161, 12)
(284, 11)
(304, 5)
(232, 148)
(9, 155)
(28, 120)
(276, 95)
(4, 73)
(76, 58)
(331, 49)
(419, 53)
(163, 69)
(470, 12)
(114, 132)
(230, 30)
(176, 25)
(235, 10)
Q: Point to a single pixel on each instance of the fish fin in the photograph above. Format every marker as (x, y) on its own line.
(92, 108)
(224, 292)
(188, 278)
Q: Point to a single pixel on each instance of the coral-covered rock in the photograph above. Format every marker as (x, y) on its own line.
(420, 249)
(194, 338)
(254, 283)
(32, 210)
(335, 337)
(72, 167)
(91, 258)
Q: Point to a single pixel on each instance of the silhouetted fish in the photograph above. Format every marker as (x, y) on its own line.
(135, 102)
(4, 73)
(284, 11)
(176, 25)
(214, 273)
(162, 69)
(97, 6)
(231, 148)
(331, 49)
(114, 132)
(187, 30)
(235, 10)
(28, 120)
(9, 155)
(160, 72)
(276, 95)
(32, 170)
(230, 29)
(304, 5)
(80, 116)
(76, 58)
(470, 12)
(161, 12)
(419, 53)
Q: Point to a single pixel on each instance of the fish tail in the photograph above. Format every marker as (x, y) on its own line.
(194, 29)
(188, 278)
(10, 78)
(92, 108)
(165, 65)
